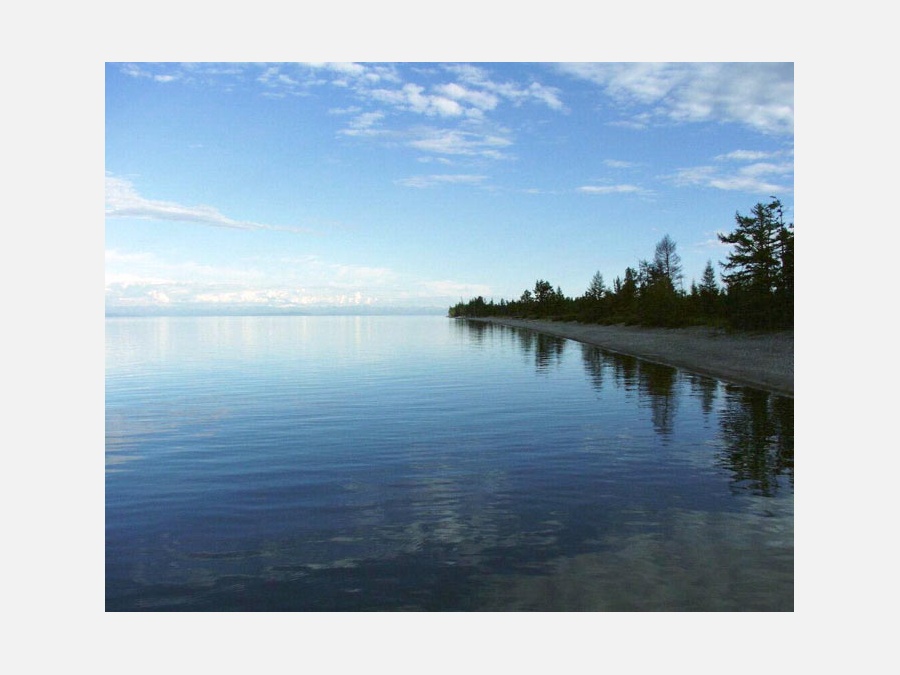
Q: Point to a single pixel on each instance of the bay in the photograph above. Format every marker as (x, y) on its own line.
(423, 463)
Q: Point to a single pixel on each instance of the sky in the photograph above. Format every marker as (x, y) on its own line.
(407, 187)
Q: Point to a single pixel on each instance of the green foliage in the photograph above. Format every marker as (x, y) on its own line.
(667, 262)
(708, 297)
(597, 289)
(758, 276)
(759, 271)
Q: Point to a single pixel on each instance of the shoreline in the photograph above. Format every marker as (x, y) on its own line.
(754, 359)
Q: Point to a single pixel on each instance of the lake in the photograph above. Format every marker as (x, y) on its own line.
(429, 464)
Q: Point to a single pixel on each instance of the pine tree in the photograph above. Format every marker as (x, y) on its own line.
(626, 298)
(759, 269)
(708, 291)
(597, 289)
(708, 280)
(667, 261)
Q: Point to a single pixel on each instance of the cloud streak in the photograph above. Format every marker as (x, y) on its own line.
(461, 96)
(759, 177)
(123, 201)
(609, 189)
(459, 142)
(144, 281)
(441, 179)
(758, 95)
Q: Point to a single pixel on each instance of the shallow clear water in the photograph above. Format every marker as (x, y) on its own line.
(423, 463)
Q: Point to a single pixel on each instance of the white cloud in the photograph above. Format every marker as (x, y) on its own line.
(747, 155)
(546, 95)
(458, 142)
(185, 296)
(351, 69)
(608, 189)
(478, 78)
(134, 70)
(365, 125)
(440, 179)
(767, 169)
(444, 106)
(143, 268)
(469, 99)
(123, 201)
(126, 280)
(345, 74)
(619, 164)
(166, 72)
(435, 160)
(142, 281)
(747, 184)
(479, 99)
(411, 98)
(759, 95)
(280, 298)
(759, 177)
(380, 91)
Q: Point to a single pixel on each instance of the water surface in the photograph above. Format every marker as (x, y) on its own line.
(423, 463)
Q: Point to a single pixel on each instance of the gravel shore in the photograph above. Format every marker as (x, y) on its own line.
(761, 360)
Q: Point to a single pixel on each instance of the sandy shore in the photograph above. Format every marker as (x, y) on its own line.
(762, 360)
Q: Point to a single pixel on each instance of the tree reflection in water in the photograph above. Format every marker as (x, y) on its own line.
(657, 382)
(546, 349)
(758, 438)
(704, 389)
(474, 330)
(756, 427)
(594, 363)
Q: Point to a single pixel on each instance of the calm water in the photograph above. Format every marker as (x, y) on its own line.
(423, 463)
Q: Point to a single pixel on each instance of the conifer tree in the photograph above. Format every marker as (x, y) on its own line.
(597, 289)
(708, 291)
(667, 261)
(759, 269)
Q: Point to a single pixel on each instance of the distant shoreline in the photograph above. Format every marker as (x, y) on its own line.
(755, 359)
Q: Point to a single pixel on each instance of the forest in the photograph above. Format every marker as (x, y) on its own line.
(756, 290)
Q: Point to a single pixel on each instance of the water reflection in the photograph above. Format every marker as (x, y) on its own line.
(475, 331)
(758, 439)
(657, 383)
(625, 370)
(595, 363)
(756, 428)
(704, 389)
(547, 350)
(408, 465)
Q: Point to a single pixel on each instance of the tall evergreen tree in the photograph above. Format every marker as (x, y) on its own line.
(708, 280)
(758, 279)
(543, 291)
(708, 291)
(785, 290)
(629, 286)
(597, 289)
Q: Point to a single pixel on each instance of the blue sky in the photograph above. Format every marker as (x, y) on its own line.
(368, 187)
